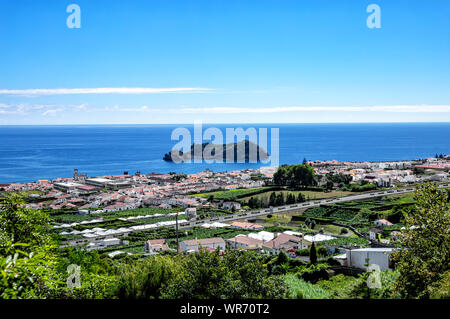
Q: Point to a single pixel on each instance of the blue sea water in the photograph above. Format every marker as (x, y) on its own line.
(29, 153)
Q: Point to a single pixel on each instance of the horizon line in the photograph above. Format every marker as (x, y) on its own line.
(223, 123)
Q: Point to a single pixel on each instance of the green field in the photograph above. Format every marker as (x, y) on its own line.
(298, 288)
(232, 194)
(311, 195)
(72, 216)
(23, 193)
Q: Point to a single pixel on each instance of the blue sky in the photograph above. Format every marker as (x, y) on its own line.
(230, 61)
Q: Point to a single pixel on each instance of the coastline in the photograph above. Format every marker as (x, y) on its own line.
(46, 152)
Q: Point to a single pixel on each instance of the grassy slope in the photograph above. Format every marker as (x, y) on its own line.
(230, 194)
(299, 287)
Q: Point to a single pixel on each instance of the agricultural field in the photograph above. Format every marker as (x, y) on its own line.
(285, 221)
(359, 214)
(308, 195)
(72, 216)
(23, 193)
(233, 194)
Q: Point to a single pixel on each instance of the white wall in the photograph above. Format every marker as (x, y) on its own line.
(357, 258)
(196, 247)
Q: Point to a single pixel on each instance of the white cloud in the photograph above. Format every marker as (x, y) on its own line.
(48, 109)
(391, 108)
(12, 109)
(81, 107)
(238, 110)
(121, 90)
(52, 109)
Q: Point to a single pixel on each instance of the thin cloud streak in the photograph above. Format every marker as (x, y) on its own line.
(52, 112)
(239, 110)
(392, 108)
(120, 90)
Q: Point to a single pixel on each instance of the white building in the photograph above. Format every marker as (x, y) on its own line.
(373, 233)
(244, 242)
(67, 186)
(318, 238)
(361, 258)
(262, 235)
(155, 245)
(97, 181)
(195, 244)
(103, 243)
(191, 212)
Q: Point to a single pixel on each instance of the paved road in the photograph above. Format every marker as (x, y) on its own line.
(279, 209)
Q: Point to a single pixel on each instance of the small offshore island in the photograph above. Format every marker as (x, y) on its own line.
(209, 152)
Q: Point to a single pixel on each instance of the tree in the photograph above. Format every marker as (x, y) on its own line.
(313, 254)
(329, 185)
(302, 175)
(145, 279)
(23, 225)
(31, 265)
(418, 170)
(26, 275)
(27, 251)
(238, 274)
(294, 175)
(272, 199)
(300, 198)
(282, 258)
(322, 251)
(424, 259)
(279, 200)
(359, 288)
(441, 288)
(290, 199)
(251, 202)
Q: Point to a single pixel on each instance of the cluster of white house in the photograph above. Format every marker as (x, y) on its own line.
(362, 258)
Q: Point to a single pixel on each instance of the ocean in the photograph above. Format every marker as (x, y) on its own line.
(29, 153)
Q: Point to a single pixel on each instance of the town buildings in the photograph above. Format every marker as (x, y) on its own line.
(194, 245)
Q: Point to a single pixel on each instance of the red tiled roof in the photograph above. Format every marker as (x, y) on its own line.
(87, 188)
(281, 239)
(245, 240)
(158, 242)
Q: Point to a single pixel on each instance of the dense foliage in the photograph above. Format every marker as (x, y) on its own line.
(235, 275)
(294, 175)
(31, 265)
(424, 263)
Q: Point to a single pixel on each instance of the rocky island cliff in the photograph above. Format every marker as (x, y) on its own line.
(244, 151)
